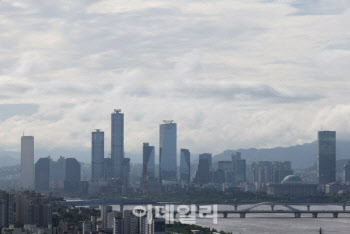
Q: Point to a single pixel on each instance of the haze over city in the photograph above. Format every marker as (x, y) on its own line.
(232, 74)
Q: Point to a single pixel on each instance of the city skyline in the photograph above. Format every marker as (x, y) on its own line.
(167, 135)
(272, 78)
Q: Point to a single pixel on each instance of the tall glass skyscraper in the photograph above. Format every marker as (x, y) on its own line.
(148, 161)
(97, 155)
(27, 161)
(326, 156)
(167, 151)
(117, 143)
(185, 165)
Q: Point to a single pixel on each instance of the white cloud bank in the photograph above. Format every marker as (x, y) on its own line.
(232, 74)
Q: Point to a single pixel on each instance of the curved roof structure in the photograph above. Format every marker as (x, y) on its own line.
(292, 179)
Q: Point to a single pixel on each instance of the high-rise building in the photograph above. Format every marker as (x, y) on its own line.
(117, 143)
(239, 168)
(131, 222)
(326, 156)
(224, 173)
(148, 161)
(240, 172)
(104, 210)
(225, 165)
(33, 209)
(261, 172)
(185, 165)
(108, 168)
(57, 172)
(208, 157)
(73, 174)
(97, 156)
(118, 225)
(27, 161)
(167, 151)
(6, 209)
(203, 176)
(126, 171)
(42, 174)
(347, 173)
(280, 170)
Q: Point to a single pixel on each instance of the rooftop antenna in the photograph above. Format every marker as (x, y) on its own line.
(168, 121)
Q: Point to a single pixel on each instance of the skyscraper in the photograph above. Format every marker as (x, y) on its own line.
(202, 176)
(347, 173)
(97, 156)
(208, 157)
(73, 174)
(239, 168)
(27, 161)
(108, 168)
(42, 174)
(326, 156)
(126, 171)
(117, 143)
(185, 165)
(148, 161)
(167, 151)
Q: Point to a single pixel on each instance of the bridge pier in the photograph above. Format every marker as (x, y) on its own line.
(297, 215)
(314, 215)
(242, 215)
(236, 206)
(225, 215)
(335, 215)
(308, 207)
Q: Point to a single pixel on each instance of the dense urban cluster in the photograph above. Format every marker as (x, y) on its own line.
(27, 210)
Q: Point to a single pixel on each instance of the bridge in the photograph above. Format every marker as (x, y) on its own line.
(283, 208)
(240, 209)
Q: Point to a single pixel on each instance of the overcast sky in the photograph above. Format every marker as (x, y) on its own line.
(232, 74)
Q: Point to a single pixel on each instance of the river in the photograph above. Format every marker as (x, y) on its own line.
(279, 223)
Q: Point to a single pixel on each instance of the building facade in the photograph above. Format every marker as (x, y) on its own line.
(167, 151)
(117, 143)
(27, 161)
(292, 185)
(208, 157)
(203, 172)
(185, 166)
(126, 171)
(42, 174)
(97, 156)
(72, 175)
(347, 173)
(326, 156)
(148, 170)
(32, 209)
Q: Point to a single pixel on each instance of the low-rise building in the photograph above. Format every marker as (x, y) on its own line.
(291, 185)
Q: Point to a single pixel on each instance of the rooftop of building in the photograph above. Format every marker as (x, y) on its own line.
(292, 179)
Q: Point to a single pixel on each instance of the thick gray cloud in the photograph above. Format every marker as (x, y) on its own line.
(9, 110)
(232, 74)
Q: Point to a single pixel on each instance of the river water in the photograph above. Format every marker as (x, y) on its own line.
(278, 223)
